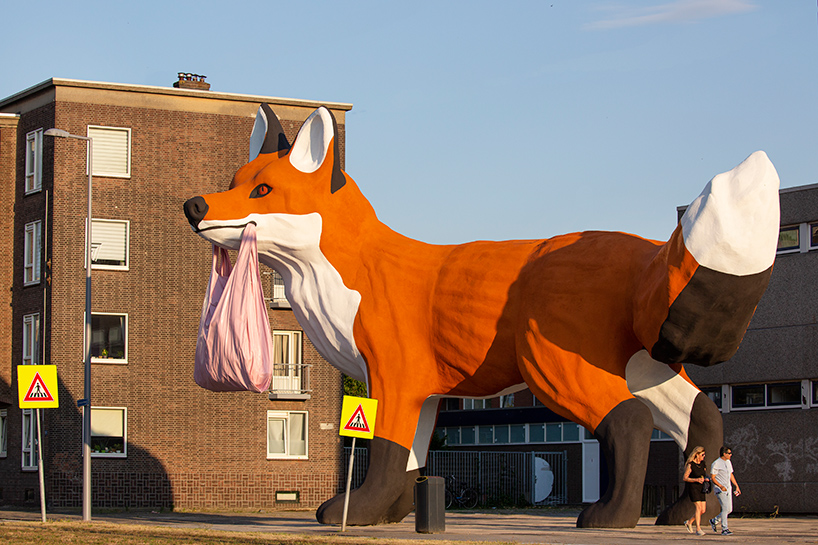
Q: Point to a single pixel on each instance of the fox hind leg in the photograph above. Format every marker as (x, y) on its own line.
(705, 430)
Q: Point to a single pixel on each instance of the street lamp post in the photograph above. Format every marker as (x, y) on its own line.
(85, 403)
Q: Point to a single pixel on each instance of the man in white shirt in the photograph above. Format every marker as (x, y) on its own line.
(721, 473)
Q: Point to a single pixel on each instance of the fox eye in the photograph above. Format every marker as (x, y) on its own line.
(260, 191)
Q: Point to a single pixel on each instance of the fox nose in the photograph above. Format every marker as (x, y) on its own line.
(195, 210)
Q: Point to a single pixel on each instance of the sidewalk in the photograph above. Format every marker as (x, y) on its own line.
(531, 526)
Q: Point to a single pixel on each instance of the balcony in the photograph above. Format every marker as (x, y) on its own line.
(291, 381)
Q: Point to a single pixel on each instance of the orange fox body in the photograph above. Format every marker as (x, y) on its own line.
(596, 324)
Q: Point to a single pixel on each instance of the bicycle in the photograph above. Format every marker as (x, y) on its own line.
(460, 492)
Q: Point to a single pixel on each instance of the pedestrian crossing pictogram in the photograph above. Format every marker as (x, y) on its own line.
(358, 421)
(358, 417)
(38, 390)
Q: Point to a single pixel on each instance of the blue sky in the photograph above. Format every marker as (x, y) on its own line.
(473, 120)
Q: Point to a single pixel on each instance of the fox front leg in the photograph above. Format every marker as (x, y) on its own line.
(624, 438)
(387, 494)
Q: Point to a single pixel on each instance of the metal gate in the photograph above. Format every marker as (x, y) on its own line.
(501, 479)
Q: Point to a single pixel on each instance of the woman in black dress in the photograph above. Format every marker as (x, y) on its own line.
(696, 474)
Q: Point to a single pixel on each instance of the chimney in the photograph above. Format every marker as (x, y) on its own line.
(191, 81)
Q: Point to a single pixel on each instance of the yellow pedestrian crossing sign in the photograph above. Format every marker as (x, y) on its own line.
(358, 417)
(37, 386)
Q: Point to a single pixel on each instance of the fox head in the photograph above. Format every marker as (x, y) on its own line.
(306, 213)
(289, 192)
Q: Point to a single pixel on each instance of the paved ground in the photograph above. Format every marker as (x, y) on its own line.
(534, 526)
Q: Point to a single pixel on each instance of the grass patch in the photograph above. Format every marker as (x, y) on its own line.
(104, 533)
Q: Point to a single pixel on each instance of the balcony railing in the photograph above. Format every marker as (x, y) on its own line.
(290, 381)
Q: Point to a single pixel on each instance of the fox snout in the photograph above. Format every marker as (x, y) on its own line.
(195, 210)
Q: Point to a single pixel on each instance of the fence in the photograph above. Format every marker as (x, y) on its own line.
(501, 479)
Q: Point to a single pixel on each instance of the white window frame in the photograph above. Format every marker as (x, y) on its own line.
(109, 360)
(29, 440)
(284, 417)
(289, 376)
(278, 297)
(32, 253)
(34, 162)
(98, 133)
(471, 404)
(804, 238)
(4, 426)
(31, 339)
(124, 452)
(454, 434)
(766, 406)
(96, 243)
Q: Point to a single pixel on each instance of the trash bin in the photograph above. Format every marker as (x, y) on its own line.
(430, 505)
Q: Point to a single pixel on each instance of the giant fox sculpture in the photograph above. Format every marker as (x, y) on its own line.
(596, 324)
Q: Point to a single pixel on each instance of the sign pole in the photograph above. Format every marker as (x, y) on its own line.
(357, 420)
(349, 484)
(40, 469)
(37, 388)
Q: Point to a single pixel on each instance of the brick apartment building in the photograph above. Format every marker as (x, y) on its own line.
(158, 440)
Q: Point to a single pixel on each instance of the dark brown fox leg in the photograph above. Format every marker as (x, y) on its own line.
(706, 431)
(386, 494)
(624, 438)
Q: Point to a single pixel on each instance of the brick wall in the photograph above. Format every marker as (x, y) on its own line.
(8, 161)
(187, 447)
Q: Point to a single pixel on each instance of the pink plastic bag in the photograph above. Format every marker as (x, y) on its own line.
(234, 350)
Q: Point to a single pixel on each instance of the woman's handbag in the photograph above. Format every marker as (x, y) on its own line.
(707, 486)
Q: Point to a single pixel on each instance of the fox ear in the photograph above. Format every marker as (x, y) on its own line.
(268, 134)
(312, 144)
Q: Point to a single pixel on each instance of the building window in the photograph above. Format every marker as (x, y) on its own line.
(787, 393)
(29, 440)
(815, 393)
(536, 433)
(4, 444)
(109, 244)
(34, 161)
(659, 435)
(278, 299)
(798, 238)
(112, 151)
(500, 434)
(109, 432)
(290, 375)
(507, 401)
(109, 338)
(32, 248)
(760, 396)
(287, 435)
(452, 436)
(450, 404)
(813, 239)
(789, 239)
(748, 396)
(474, 404)
(31, 339)
(714, 393)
